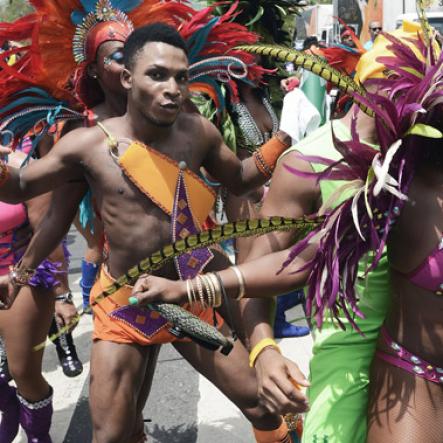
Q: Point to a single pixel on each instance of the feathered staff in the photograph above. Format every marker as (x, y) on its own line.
(318, 66)
(188, 323)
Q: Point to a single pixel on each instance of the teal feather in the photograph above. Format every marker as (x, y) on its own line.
(86, 212)
(199, 39)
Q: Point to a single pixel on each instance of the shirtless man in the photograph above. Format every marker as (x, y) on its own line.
(156, 80)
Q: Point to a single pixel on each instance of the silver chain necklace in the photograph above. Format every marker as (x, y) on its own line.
(252, 136)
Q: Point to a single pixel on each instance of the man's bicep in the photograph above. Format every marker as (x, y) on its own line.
(59, 166)
(220, 161)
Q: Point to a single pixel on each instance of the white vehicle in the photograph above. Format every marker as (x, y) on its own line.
(435, 19)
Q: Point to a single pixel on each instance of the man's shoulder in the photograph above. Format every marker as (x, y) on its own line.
(197, 126)
(79, 139)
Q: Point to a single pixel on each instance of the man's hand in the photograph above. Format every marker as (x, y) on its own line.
(279, 383)
(150, 289)
(8, 292)
(65, 313)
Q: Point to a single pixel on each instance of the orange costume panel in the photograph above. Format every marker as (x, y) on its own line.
(116, 321)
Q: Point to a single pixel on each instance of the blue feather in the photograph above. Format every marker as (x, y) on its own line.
(29, 101)
(88, 5)
(199, 39)
(217, 88)
(77, 17)
(125, 5)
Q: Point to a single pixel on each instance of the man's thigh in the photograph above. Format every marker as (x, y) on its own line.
(118, 373)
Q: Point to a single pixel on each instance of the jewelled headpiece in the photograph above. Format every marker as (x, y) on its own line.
(103, 24)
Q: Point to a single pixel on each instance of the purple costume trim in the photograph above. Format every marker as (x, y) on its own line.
(409, 362)
(140, 319)
(188, 265)
(46, 275)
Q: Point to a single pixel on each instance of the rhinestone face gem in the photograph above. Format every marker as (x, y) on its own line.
(439, 370)
(418, 370)
(396, 347)
(415, 360)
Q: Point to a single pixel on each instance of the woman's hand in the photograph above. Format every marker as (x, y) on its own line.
(150, 289)
(8, 292)
(279, 384)
(65, 313)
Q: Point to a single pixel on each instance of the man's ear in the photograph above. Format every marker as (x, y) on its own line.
(126, 79)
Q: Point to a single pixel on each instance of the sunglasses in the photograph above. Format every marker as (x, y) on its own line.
(376, 29)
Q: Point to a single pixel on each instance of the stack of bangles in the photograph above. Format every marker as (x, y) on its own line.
(207, 289)
(20, 277)
(4, 173)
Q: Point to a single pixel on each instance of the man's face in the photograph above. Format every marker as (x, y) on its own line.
(347, 40)
(159, 82)
(109, 66)
(375, 28)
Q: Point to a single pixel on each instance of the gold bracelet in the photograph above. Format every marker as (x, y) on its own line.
(206, 291)
(209, 290)
(20, 277)
(260, 347)
(193, 294)
(188, 291)
(241, 282)
(200, 290)
(218, 292)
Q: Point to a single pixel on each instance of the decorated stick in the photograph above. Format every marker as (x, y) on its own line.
(158, 259)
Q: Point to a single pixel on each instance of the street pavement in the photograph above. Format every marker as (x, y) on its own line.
(183, 406)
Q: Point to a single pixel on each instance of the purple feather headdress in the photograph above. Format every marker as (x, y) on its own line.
(378, 180)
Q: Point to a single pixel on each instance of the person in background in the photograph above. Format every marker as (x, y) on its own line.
(346, 37)
(375, 27)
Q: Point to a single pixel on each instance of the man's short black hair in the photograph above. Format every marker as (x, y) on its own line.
(309, 41)
(155, 32)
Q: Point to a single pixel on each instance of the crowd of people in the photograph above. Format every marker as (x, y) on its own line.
(145, 123)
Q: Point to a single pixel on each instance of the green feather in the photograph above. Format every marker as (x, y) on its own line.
(314, 64)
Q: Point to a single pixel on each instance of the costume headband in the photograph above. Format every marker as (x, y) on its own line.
(103, 24)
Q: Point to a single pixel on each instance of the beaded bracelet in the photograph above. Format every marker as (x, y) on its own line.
(20, 277)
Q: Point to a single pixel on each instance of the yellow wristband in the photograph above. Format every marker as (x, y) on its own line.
(259, 347)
